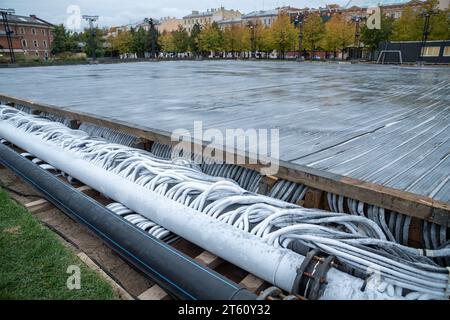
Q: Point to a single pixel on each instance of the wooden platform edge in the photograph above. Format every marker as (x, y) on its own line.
(392, 199)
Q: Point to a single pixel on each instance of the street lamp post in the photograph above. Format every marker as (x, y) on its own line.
(357, 20)
(8, 32)
(298, 22)
(426, 14)
(92, 34)
(252, 27)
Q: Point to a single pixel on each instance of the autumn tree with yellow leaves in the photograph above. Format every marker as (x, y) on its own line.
(283, 33)
(339, 34)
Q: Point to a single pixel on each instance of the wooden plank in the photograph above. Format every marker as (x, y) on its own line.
(154, 293)
(392, 199)
(42, 204)
(123, 294)
(252, 283)
(209, 260)
(38, 206)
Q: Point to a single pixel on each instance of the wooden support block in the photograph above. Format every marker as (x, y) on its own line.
(313, 199)
(157, 293)
(42, 204)
(252, 283)
(209, 260)
(74, 124)
(266, 184)
(88, 191)
(415, 237)
(154, 293)
(144, 144)
(38, 206)
(123, 294)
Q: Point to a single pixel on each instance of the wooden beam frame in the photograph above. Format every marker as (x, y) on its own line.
(392, 199)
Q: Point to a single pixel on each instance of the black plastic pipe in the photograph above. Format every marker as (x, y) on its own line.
(171, 269)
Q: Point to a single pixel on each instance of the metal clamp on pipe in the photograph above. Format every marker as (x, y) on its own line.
(311, 275)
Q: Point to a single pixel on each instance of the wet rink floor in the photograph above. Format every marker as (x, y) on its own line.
(384, 124)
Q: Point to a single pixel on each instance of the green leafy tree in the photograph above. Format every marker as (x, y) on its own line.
(408, 27)
(372, 37)
(140, 42)
(63, 40)
(439, 22)
(123, 42)
(94, 40)
(264, 40)
(313, 32)
(439, 26)
(180, 39)
(283, 33)
(153, 42)
(194, 39)
(211, 38)
(166, 42)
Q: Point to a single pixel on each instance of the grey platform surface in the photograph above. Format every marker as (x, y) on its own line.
(384, 124)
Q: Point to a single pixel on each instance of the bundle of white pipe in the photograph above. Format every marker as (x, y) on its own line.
(234, 221)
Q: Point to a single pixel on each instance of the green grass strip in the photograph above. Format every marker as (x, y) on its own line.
(34, 262)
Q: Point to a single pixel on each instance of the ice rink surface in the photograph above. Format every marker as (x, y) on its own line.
(384, 124)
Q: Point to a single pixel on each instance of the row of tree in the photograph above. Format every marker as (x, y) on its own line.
(282, 36)
(337, 34)
(65, 41)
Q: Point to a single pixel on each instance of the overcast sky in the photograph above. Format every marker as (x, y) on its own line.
(120, 12)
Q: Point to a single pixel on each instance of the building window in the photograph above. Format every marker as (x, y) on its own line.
(431, 51)
(36, 54)
(22, 30)
(43, 32)
(33, 31)
(24, 43)
(446, 51)
(45, 43)
(35, 43)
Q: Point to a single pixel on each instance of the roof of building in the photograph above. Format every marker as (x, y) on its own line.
(229, 21)
(32, 19)
(207, 13)
(196, 14)
(261, 13)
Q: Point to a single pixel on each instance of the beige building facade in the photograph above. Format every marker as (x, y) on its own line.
(168, 24)
(209, 16)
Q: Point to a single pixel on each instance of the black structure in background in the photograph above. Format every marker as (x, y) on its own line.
(153, 37)
(8, 32)
(411, 51)
(298, 23)
(92, 34)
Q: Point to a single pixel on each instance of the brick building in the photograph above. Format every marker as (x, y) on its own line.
(30, 36)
